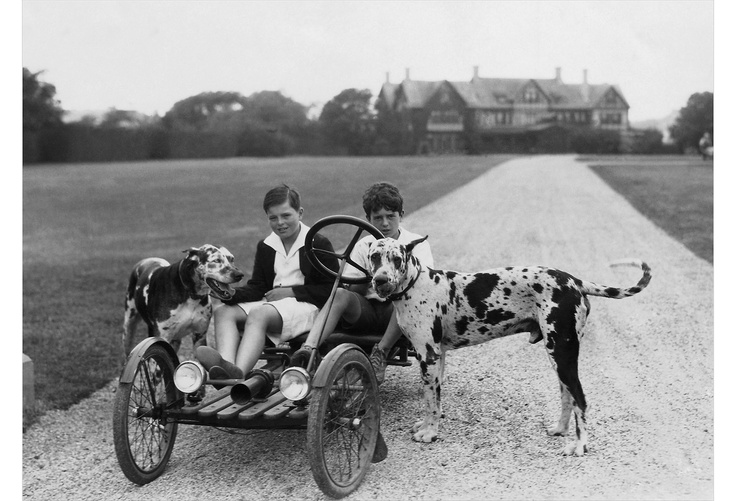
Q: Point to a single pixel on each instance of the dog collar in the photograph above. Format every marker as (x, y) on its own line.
(395, 296)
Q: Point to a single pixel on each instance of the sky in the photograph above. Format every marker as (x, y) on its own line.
(147, 55)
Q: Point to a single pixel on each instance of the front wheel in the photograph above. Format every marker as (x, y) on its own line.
(343, 425)
(143, 437)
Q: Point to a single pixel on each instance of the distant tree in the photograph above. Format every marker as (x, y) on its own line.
(40, 108)
(348, 121)
(392, 134)
(275, 109)
(196, 112)
(124, 119)
(694, 119)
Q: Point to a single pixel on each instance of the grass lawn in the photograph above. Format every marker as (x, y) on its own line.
(676, 193)
(86, 225)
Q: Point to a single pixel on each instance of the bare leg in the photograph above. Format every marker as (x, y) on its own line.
(262, 319)
(344, 306)
(392, 334)
(229, 321)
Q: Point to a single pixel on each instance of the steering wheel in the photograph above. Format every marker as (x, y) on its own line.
(313, 253)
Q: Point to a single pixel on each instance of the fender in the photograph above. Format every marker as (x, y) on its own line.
(131, 365)
(320, 377)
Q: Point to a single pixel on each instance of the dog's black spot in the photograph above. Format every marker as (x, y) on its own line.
(444, 309)
(479, 290)
(436, 279)
(612, 291)
(453, 292)
(509, 268)
(538, 287)
(550, 341)
(461, 326)
(451, 275)
(506, 291)
(483, 329)
(513, 283)
(635, 290)
(562, 316)
(437, 329)
(498, 315)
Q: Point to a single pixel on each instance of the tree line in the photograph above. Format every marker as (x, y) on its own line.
(266, 123)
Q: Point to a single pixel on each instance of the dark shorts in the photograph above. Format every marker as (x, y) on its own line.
(374, 317)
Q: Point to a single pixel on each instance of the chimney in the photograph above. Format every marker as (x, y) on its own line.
(585, 88)
(475, 72)
(407, 74)
(558, 75)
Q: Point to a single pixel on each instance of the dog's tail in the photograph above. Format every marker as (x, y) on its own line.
(616, 292)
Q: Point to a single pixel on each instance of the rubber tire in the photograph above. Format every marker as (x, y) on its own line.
(335, 472)
(143, 445)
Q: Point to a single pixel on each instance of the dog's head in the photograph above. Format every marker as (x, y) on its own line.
(214, 265)
(389, 264)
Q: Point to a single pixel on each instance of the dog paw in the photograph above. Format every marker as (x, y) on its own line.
(575, 449)
(425, 435)
(558, 431)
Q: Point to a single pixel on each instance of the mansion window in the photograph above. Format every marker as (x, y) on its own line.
(445, 117)
(611, 118)
(611, 98)
(490, 119)
(574, 117)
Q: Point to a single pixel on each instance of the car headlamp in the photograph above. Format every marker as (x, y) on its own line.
(189, 376)
(295, 383)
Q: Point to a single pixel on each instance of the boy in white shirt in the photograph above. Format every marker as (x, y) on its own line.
(358, 307)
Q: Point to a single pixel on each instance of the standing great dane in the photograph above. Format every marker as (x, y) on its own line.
(443, 310)
(174, 299)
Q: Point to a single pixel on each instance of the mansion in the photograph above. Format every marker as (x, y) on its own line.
(501, 114)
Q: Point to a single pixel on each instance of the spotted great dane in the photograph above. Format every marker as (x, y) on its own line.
(443, 310)
(174, 299)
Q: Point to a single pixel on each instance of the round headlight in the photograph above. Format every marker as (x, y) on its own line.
(295, 383)
(189, 376)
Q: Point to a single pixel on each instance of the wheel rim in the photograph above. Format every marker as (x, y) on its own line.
(149, 434)
(350, 425)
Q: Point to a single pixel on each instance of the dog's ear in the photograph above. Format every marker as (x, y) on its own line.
(410, 246)
(192, 253)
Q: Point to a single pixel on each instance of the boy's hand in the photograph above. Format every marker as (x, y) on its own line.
(279, 293)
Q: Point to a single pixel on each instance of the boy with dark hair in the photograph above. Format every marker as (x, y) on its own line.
(358, 307)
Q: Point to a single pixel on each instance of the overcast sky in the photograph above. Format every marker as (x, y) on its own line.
(146, 55)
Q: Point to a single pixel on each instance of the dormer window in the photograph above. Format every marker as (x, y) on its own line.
(531, 95)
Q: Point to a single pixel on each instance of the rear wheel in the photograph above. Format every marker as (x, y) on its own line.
(343, 426)
(143, 437)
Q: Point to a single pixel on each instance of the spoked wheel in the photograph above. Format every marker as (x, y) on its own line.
(343, 425)
(143, 437)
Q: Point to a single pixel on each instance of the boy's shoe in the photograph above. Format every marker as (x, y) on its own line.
(212, 361)
(379, 363)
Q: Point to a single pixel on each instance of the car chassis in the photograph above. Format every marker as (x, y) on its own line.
(331, 392)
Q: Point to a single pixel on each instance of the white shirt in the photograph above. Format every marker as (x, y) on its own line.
(360, 255)
(286, 266)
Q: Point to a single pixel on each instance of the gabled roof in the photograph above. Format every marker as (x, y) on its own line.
(501, 92)
(388, 92)
(417, 92)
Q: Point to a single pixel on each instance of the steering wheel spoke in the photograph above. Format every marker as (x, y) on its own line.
(313, 253)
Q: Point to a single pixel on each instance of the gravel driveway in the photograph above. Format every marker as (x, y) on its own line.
(646, 365)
